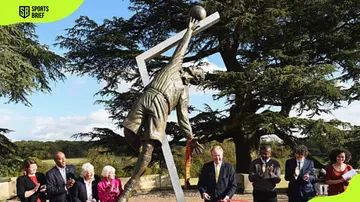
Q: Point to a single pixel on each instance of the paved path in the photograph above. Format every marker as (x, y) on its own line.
(190, 196)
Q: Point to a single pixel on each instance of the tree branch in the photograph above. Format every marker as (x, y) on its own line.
(288, 139)
(191, 58)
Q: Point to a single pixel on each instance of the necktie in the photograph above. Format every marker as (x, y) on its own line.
(299, 165)
(217, 172)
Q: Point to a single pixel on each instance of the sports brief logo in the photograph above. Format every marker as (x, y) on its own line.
(34, 11)
(24, 11)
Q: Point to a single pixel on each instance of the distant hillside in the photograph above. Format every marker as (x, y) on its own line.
(45, 150)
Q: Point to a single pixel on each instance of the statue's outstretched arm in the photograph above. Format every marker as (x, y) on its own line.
(178, 56)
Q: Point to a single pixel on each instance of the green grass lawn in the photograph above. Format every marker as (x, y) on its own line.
(283, 183)
(72, 161)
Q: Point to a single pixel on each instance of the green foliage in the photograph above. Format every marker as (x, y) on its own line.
(154, 168)
(279, 56)
(37, 161)
(279, 150)
(10, 161)
(108, 140)
(26, 65)
(320, 147)
(198, 161)
(98, 158)
(45, 165)
(352, 141)
(46, 150)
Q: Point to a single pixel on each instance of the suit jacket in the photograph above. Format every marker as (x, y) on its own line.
(226, 185)
(56, 185)
(24, 183)
(78, 192)
(299, 189)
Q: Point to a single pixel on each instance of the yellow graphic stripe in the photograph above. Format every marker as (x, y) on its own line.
(351, 194)
(36, 11)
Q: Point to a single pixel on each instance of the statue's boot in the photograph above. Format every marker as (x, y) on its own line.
(129, 186)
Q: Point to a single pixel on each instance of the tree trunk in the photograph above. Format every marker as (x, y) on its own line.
(243, 157)
(230, 61)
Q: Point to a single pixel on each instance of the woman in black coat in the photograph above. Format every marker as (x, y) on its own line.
(31, 186)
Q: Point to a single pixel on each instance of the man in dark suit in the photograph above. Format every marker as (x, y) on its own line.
(299, 171)
(60, 179)
(217, 178)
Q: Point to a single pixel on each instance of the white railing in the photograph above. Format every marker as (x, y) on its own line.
(321, 189)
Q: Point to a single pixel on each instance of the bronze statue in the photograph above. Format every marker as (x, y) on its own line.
(144, 127)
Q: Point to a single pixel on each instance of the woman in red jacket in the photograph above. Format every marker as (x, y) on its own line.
(337, 168)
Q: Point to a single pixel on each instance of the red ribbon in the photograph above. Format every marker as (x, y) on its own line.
(187, 163)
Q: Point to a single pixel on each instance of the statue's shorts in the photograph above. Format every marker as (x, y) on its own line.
(148, 116)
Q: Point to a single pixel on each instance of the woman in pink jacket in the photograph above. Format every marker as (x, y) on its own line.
(109, 188)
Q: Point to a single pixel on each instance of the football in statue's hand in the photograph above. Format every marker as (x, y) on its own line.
(198, 12)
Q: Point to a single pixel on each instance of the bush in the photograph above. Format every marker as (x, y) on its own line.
(198, 161)
(99, 159)
(42, 167)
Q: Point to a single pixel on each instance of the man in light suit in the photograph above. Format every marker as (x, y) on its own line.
(60, 179)
(299, 171)
(217, 179)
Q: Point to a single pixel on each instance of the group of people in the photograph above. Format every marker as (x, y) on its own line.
(299, 171)
(216, 183)
(62, 184)
(217, 179)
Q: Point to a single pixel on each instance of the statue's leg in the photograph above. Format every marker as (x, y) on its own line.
(133, 139)
(142, 163)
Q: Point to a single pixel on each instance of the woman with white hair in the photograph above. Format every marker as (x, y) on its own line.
(85, 189)
(109, 188)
